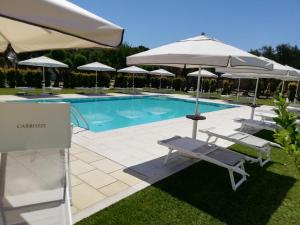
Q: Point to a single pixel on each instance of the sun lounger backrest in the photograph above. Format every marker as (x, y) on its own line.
(34, 126)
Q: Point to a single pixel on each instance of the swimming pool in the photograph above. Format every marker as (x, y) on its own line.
(109, 113)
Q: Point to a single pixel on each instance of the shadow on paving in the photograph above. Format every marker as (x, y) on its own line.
(207, 187)
(41, 96)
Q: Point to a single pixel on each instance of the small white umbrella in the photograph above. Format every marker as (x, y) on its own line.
(233, 76)
(96, 66)
(34, 25)
(204, 73)
(43, 62)
(133, 70)
(198, 52)
(161, 72)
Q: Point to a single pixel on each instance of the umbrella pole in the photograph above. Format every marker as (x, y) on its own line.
(133, 82)
(44, 82)
(96, 84)
(160, 82)
(254, 99)
(296, 95)
(282, 87)
(238, 90)
(195, 122)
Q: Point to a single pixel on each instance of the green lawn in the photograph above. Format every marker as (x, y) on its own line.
(201, 194)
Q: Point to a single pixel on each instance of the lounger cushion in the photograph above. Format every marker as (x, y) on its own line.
(249, 139)
(186, 144)
(227, 157)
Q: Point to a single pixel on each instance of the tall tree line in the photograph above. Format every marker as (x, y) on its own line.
(285, 54)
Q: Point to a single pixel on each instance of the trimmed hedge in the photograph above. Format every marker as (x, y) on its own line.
(2, 79)
(292, 91)
(74, 79)
(179, 84)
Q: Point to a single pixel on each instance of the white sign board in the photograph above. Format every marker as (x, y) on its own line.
(34, 126)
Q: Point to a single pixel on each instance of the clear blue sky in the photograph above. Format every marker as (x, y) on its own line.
(243, 23)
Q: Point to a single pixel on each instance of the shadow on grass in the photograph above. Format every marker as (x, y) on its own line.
(207, 188)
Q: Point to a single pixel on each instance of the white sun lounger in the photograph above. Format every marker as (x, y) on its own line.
(222, 157)
(34, 164)
(257, 124)
(261, 145)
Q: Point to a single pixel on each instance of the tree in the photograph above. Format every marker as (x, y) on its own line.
(79, 60)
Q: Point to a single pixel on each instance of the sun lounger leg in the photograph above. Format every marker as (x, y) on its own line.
(234, 184)
(268, 157)
(168, 156)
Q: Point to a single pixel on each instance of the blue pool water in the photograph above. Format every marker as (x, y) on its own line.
(116, 112)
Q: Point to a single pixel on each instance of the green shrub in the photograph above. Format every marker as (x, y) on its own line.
(166, 82)
(205, 85)
(37, 79)
(178, 84)
(11, 78)
(292, 91)
(2, 79)
(85, 80)
(47, 77)
(121, 81)
(104, 80)
(226, 87)
(154, 81)
(213, 85)
(20, 82)
(66, 79)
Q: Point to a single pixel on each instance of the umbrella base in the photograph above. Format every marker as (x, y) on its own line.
(195, 117)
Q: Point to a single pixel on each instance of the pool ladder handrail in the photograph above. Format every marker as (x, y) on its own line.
(74, 112)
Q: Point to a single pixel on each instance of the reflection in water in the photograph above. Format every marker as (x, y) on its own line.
(158, 110)
(131, 114)
(98, 119)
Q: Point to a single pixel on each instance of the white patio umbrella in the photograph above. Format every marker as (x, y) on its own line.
(133, 70)
(279, 72)
(231, 76)
(34, 25)
(161, 73)
(201, 52)
(98, 67)
(43, 62)
(204, 73)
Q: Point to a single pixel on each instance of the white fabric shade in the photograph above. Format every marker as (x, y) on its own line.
(278, 69)
(132, 69)
(43, 61)
(33, 25)
(162, 72)
(198, 51)
(204, 73)
(96, 66)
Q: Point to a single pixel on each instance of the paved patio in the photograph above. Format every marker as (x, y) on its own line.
(109, 166)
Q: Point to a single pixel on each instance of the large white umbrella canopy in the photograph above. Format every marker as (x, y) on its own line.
(96, 66)
(239, 77)
(161, 72)
(200, 51)
(133, 70)
(34, 25)
(279, 72)
(43, 62)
